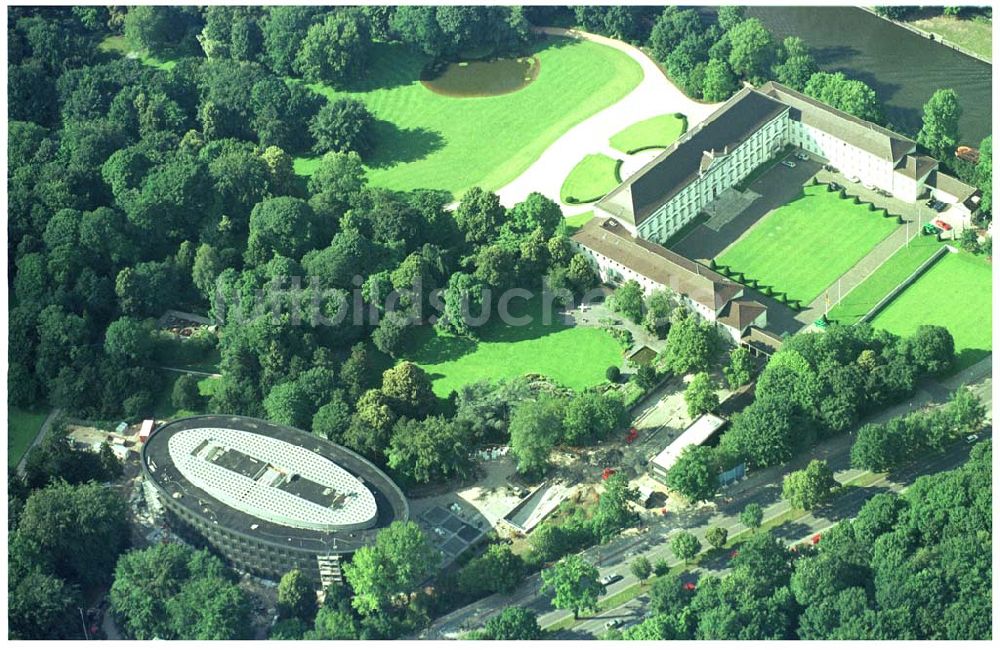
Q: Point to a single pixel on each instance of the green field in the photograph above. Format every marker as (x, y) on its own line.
(118, 44)
(578, 221)
(22, 427)
(659, 131)
(955, 293)
(426, 140)
(973, 34)
(590, 179)
(893, 271)
(805, 245)
(163, 409)
(574, 356)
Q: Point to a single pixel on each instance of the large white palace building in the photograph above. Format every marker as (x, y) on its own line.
(747, 131)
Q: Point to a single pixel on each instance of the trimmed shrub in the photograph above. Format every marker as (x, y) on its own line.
(613, 374)
(900, 220)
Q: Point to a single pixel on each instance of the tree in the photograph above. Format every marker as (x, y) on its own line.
(575, 583)
(74, 532)
(717, 536)
(729, 16)
(127, 341)
(428, 450)
(591, 416)
(966, 411)
(939, 132)
(614, 508)
(849, 95)
(752, 49)
(700, 395)
(808, 488)
(659, 306)
(287, 404)
(398, 561)
(41, 606)
(671, 27)
(409, 390)
(343, 125)
(513, 624)
(498, 570)
(534, 429)
(334, 51)
(931, 349)
(296, 596)
(984, 175)
(641, 568)
(613, 374)
(333, 418)
(685, 546)
(695, 475)
(479, 216)
(691, 343)
(627, 301)
(284, 29)
(752, 516)
(333, 625)
(186, 394)
(170, 591)
(739, 371)
(720, 83)
(279, 226)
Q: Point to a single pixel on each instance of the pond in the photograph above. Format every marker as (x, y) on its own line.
(484, 78)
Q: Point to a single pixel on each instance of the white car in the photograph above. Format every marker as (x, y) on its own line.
(854, 179)
(788, 163)
(802, 156)
(971, 439)
(613, 623)
(610, 579)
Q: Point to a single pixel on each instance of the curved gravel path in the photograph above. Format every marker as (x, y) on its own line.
(655, 95)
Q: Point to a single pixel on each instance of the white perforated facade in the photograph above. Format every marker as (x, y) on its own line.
(351, 505)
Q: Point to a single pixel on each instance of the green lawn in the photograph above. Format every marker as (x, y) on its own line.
(955, 293)
(974, 34)
(22, 427)
(805, 245)
(163, 409)
(592, 178)
(578, 221)
(574, 356)
(426, 140)
(118, 44)
(660, 131)
(893, 271)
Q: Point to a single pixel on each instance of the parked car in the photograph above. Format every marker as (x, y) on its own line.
(610, 579)
(971, 439)
(943, 225)
(835, 187)
(613, 623)
(788, 163)
(868, 186)
(801, 155)
(854, 179)
(939, 206)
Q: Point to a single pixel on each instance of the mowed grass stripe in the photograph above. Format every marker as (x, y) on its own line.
(887, 277)
(802, 247)
(426, 140)
(955, 293)
(577, 357)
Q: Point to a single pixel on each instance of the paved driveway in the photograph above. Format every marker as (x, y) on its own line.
(655, 95)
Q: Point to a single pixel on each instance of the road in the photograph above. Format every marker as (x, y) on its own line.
(763, 487)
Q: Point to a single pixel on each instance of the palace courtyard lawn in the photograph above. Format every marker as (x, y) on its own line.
(590, 179)
(956, 293)
(428, 140)
(660, 132)
(576, 357)
(802, 247)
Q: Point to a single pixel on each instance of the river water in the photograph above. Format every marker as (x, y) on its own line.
(904, 68)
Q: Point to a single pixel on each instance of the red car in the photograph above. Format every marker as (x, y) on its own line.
(690, 586)
(942, 225)
(816, 538)
(607, 473)
(633, 433)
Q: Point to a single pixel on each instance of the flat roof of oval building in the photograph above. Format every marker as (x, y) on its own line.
(271, 482)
